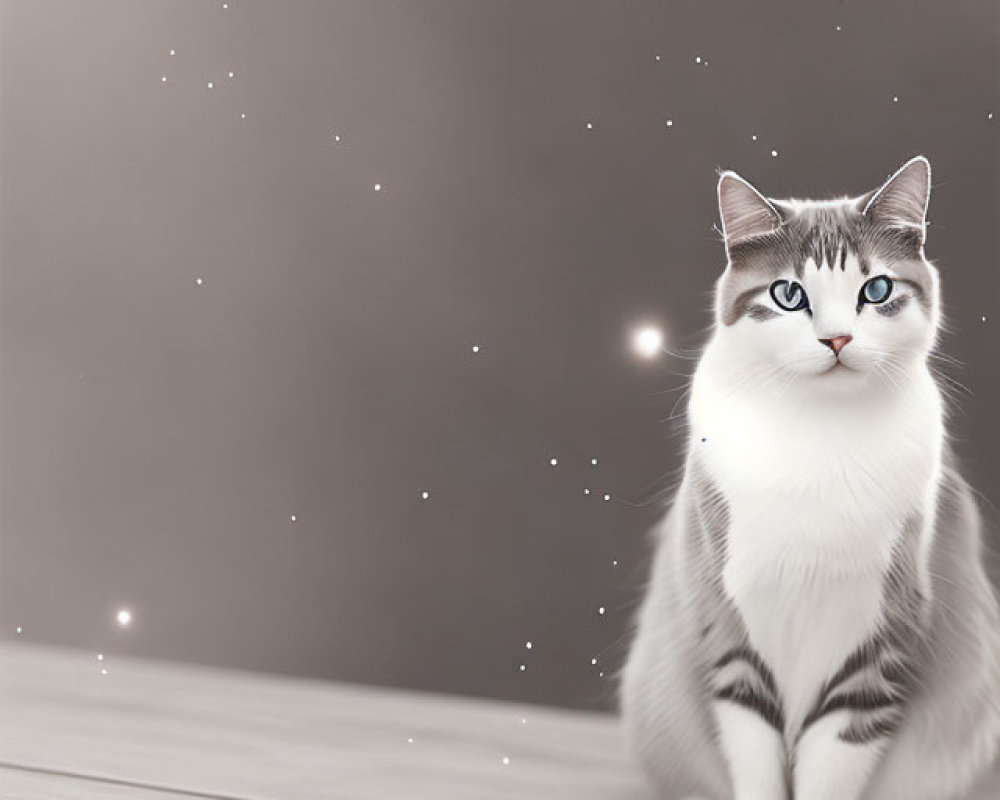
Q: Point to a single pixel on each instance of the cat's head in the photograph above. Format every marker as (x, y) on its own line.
(834, 293)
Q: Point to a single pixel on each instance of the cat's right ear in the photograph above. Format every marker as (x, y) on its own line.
(745, 212)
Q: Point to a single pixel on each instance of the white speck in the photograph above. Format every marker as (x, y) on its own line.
(601, 611)
(754, 137)
(124, 617)
(378, 187)
(424, 495)
(774, 154)
(210, 84)
(600, 674)
(590, 126)
(292, 518)
(657, 58)
(593, 662)
(586, 491)
(336, 137)
(104, 672)
(983, 318)
(990, 115)
(614, 563)
(198, 281)
(524, 721)
(19, 630)
(409, 740)
(527, 645)
(232, 74)
(225, 6)
(647, 341)
(895, 98)
(607, 497)
(100, 656)
(522, 667)
(670, 123)
(697, 59)
(593, 462)
(243, 116)
(475, 348)
(173, 52)
(505, 761)
(163, 78)
(554, 462)
(839, 28)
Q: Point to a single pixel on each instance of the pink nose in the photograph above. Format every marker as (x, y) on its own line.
(837, 343)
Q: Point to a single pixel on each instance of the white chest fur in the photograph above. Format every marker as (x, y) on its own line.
(818, 494)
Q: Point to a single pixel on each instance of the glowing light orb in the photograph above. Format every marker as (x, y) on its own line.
(210, 84)
(293, 518)
(124, 617)
(554, 462)
(527, 645)
(774, 154)
(505, 761)
(607, 497)
(593, 462)
(648, 341)
(601, 611)
(475, 348)
(424, 495)
(378, 187)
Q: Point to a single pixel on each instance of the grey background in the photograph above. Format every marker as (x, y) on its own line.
(157, 434)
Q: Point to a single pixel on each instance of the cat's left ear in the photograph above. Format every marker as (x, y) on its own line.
(902, 200)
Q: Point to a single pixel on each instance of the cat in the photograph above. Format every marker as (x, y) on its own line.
(819, 623)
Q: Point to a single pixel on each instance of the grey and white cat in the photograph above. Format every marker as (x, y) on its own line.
(819, 623)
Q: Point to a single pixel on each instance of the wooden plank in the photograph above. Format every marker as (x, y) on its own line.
(172, 731)
(254, 736)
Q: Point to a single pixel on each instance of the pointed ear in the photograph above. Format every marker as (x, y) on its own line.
(744, 211)
(902, 200)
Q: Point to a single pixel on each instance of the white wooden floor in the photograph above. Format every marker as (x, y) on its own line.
(156, 731)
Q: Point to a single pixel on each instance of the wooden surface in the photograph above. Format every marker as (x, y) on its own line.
(193, 731)
(155, 731)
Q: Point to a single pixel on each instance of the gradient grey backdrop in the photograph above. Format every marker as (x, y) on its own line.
(158, 434)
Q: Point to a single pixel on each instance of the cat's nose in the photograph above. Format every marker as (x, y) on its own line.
(837, 343)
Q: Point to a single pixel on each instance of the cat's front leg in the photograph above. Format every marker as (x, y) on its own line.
(750, 723)
(843, 738)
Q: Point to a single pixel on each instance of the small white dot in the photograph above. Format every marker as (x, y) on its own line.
(163, 78)
(243, 116)
(19, 630)
(104, 672)
(895, 98)
(292, 518)
(505, 760)
(336, 137)
(670, 123)
(524, 721)
(554, 462)
(657, 58)
(424, 495)
(225, 6)
(614, 563)
(209, 84)
(409, 740)
(593, 661)
(173, 52)
(601, 611)
(989, 115)
(475, 348)
(378, 187)
(198, 281)
(648, 341)
(839, 28)
(607, 497)
(232, 74)
(590, 126)
(100, 656)
(586, 491)
(754, 137)
(600, 674)
(124, 617)
(593, 462)
(522, 667)
(697, 59)
(774, 154)
(527, 645)
(984, 318)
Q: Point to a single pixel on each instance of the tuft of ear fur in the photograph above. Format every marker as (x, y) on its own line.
(902, 200)
(745, 212)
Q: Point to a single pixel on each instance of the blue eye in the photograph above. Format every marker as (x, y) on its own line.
(877, 290)
(789, 295)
